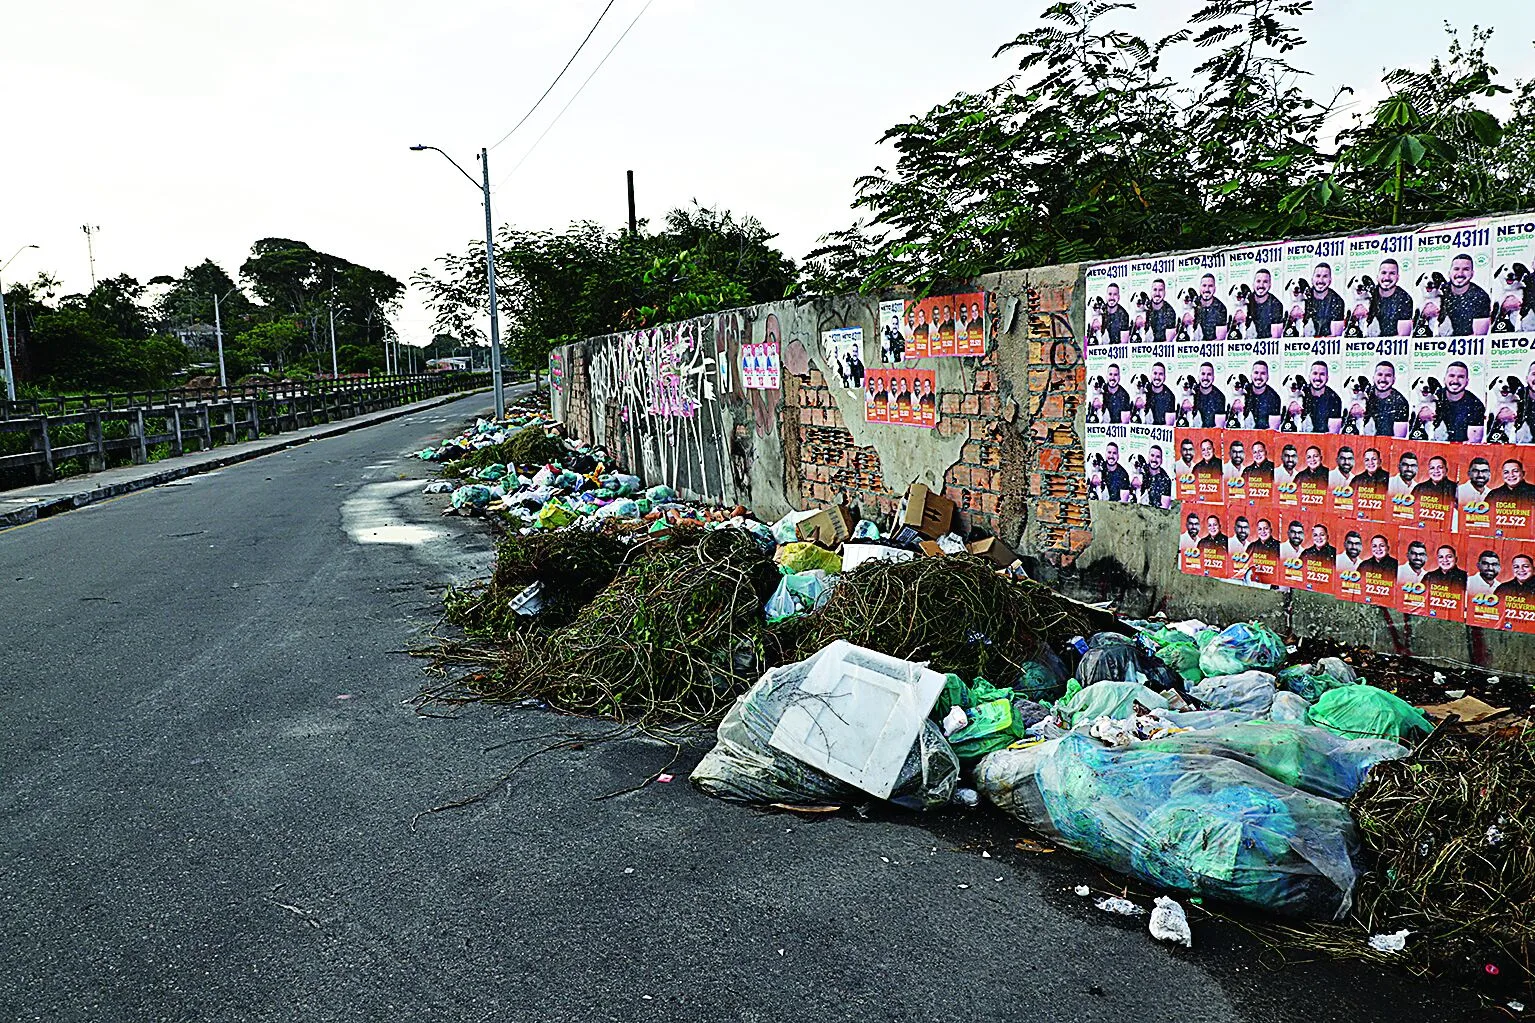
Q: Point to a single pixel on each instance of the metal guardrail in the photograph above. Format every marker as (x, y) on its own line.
(190, 419)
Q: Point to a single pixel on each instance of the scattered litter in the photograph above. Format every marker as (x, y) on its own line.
(963, 886)
(663, 778)
(1028, 845)
(985, 855)
(968, 798)
(1083, 890)
(1117, 905)
(1169, 923)
(1389, 942)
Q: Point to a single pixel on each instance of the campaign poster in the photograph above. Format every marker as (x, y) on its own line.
(1292, 548)
(1311, 397)
(1373, 371)
(1489, 566)
(1509, 400)
(922, 333)
(1253, 277)
(1435, 494)
(1411, 590)
(1346, 452)
(1476, 475)
(1314, 477)
(1263, 550)
(1319, 559)
(1259, 471)
(1150, 465)
(1313, 273)
(1108, 477)
(1109, 397)
(1153, 307)
(1409, 459)
(1512, 284)
(1108, 313)
(1517, 595)
(1209, 467)
(1445, 581)
(1150, 383)
(1352, 555)
(894, 331)
(1185, 487)
(1449, 378)
(946, 314)
(1292, 383)
(877, 397)
(749, 366)
(1190, 557)
(1215, 544)
(970, 324)
(1286, 488)
(843, 350)
(1378, 571)
(925, 392)
(1233, 465)
(1251, 380)
(772, 379)
(1511, 501)
(900, 396)
(1378, 292)
(1454, 269)
(1372, 481)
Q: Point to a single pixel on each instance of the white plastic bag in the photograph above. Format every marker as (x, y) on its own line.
(1251, 692)
(1169, 923)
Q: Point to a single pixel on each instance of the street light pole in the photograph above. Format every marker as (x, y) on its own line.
(490, 270)
(5, 331)
(334, 373)
(218, 333)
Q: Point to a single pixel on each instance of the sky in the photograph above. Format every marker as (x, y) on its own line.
(187, 130)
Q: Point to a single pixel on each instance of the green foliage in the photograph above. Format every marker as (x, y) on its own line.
(75, 350)
(1104, 143)
(555, 286)
(266, 344)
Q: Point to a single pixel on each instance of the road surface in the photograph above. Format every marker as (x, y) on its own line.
(208, 778)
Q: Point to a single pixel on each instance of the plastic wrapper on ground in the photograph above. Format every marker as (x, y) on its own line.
(744, 767)
(1205, 825)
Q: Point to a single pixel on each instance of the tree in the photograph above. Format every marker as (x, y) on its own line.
(72, 348)
(1093, 149)
(271, 344)
(556, 286)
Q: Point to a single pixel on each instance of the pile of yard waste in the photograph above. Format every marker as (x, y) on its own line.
(845, 662)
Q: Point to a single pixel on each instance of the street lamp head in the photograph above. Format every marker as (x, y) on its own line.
(416, 149)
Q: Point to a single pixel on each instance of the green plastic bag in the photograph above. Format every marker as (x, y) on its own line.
(1365, 712)
(982, 691)
(1107, 699)
(555, 514)
(955, 694)
(1181, 655)
(1310, 681)
(1241, 647)
(807, 557)
(990, 729)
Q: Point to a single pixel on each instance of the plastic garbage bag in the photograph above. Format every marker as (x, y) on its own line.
(1289, 708)
(1310, 681)
(803, 557)
(990, 728)
(1239, 647)
(438, 487)
(1206, 825)
(1028, 713)
(1043, 676)
(623, 508)
(473, 497)
(555, 514)
(1182, 656)
(492, 473)
(661, 493)
(954, 720)
(1107, 699)
(866, 530)
(784, 528)
(1201, 719)
(1310, 759)
(568, 480)
(1365, 712)
(797, 593)
(744, 767)
(955, 694)
(427, 454)
(627, 485)
(1251, 692)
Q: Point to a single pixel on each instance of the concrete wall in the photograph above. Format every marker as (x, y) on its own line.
(1008, 449)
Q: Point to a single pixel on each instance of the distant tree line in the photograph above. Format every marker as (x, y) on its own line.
(276, 319)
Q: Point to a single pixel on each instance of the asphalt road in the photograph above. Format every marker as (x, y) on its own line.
(208, 778)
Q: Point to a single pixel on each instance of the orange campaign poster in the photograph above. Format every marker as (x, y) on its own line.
(1215, 543)
(878, 396)
(1512, 498)
(1340, 482)
(946, 325)
(1517, 596)
(1411, 590)
(1445, 581)
(1190, 558)
(925, 387)
(1488, 568)
(1408, 461)
(1349, 573)
(1286, 490)
(1372, 479)
(1258, 472)
(1319, 560)
(900, 396)
(1477, 482)
(1238, 459)
(1263, 550)
(1435, 492)
(1378, 571)
(1313, 479)
(1292, 568)
(1209, 467)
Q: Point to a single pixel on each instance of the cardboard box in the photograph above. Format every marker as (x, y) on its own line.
(931, 549)
(927, 515)
(826, 526)
(993, 550)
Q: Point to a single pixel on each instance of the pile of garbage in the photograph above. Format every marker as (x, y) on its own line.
(915, 664)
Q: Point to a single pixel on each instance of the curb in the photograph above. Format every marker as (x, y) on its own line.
(69, 502)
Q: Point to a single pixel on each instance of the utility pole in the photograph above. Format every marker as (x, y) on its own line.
(5, 333)
(218, 333)
(634, 224)
(90, 250)
(334, 373)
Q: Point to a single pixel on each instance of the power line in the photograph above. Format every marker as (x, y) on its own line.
(578, 92)
(557, 77)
